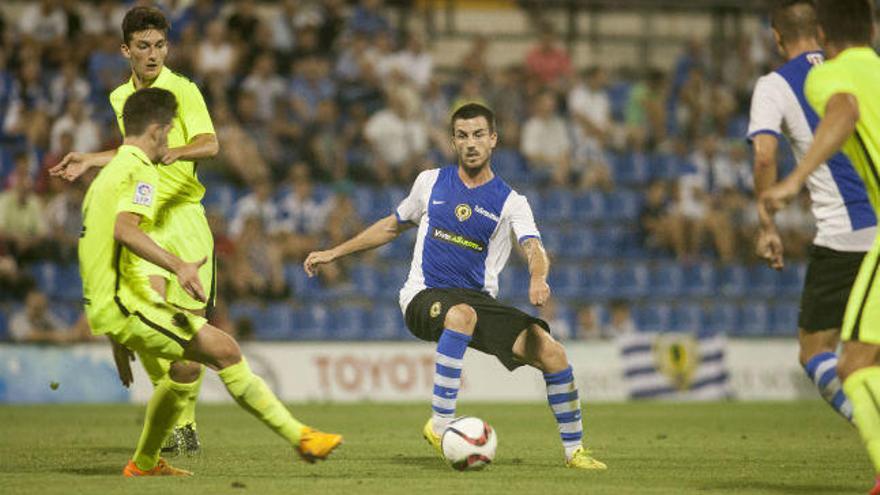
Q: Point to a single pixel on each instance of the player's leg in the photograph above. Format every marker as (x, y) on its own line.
(860, 373)
(536, 347)
(216, 349)
(458, 327)
(818, 356)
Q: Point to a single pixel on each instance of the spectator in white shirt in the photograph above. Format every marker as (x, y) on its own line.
(398, 139)
(590, 111)
(545, 142)
(76, 121)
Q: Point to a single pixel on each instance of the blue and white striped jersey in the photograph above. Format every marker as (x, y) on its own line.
(845, 220)
(464, 236)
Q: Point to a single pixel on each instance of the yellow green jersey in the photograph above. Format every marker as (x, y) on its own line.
(129, 183)
(854, 71)
(179, 179)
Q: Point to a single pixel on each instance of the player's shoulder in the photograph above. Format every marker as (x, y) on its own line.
(429, 175)
(121, 93)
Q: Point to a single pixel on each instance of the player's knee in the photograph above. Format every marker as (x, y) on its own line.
(184, 371)
(552, 356)
(461, 318)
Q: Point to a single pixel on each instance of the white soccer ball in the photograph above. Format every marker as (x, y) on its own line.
(469, 443)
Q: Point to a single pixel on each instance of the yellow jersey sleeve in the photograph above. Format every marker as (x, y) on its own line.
(138, 192)
(194, 112)
(823, 82)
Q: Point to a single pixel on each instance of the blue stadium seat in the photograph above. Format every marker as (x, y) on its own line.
(754, 318)
(579, 244)
(631, 281)
(302, 286)
(688, 317)
(366, 279)
(45, 274)
(699, 280)
(791, 279)
(733, 281)
(552, 238)
(629, 169)
(69, 284)
(393, 279)
(623, 205)
(663, 166)
(4, 322)
(514, 281)
(608, 241)
(556, 205)
(220, 197)
(310, 322)
(598, 281)
(722, 317)
(384, 322)
(667, 280)
(763, 280)
(565, 280)
(68, 312)
(275, 322)
(654, 317)
(510, 165)
(785, 319)
(347, 323)
(589, 207)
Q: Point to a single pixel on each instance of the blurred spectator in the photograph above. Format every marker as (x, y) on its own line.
(332, 15)
(29, 105)
(342, 220)
(265, 84)
(258, 204)
(559, 326)
(548, 61)
(327, 144)
(44, 21)
(107, 67)
(590, 111)
(660, 229)
(367, 18)
(14, 282)
(36, 323)
(474, 63)
(104, 17)
(67, 85)
(311, 84)
(398, 138)
(301, 216)
(587, 324)
(285, 23)
(381, 56)
(217, 57)
(414, 62)
(645, 114)
(242, 22)
(621, 322)
(63, 217)
(239, 152)
(248, 111)
(76, 122)
(193, 18)
(23, 226)
(258, 270)
(797, 227)
(545, 143)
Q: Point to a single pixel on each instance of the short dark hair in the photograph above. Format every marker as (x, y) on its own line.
(472, 111)
(846, 21)
(142, 19)
(147, 106)
(794, 19)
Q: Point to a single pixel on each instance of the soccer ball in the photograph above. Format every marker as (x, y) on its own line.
(469, 443)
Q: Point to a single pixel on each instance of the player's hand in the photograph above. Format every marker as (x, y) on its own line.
(779, 195)
(188, 277)
(539, 291)
(73, 165)
(123, 358)
(171, 156)
(316, 259)
(769, 247)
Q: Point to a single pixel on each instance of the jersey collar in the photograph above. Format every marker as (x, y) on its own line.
(137, 152)
(160, 79)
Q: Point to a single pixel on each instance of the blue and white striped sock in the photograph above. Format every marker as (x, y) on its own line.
(822, 370)
(563, 397)
(447, 376)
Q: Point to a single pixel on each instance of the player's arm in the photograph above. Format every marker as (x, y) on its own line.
(128, 232)
(539, 267)
(200, 146)
(75, 163)
(765, 169)
(381, 232)
(839, 123)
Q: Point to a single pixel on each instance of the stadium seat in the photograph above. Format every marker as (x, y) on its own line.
(733, 281)
(579, 244)
(347, 323)
(785, 319)
(565, 281)
(653, 317)
(220, 197)
(310, 322)
(302, 286)
(589, 207)
(666, 280)
(556, 205)
(552, 238)
(623, 205)
(763, 280)
(629, 169)
(699, 280)
(510, 165)
(46, 276)
(393, 279)
(597, 281)
(754, 318)
(69, 284)
(722, 317)
(663, 166)
(514, 281)
(791, 279)
(4, 322)
(383, 322)
(631, 281)
(688, 317)
(274, 322)
(366, 279)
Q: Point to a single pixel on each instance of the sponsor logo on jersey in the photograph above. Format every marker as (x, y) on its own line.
(486, 213)
(462, 212)
(143, 194)
(435, 310)
(458, 240)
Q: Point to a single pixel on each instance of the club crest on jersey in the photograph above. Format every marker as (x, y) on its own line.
(435, 309)
(143, 194)
(462, 212)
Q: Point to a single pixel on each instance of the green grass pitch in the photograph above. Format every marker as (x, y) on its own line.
(650, 448)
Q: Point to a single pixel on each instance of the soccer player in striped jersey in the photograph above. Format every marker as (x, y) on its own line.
(181, 226)
(466, 216)
(846, 224)
(845, 92)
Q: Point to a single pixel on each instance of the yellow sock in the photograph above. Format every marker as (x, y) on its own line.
(166, 403)
(188, 415)
(863, 390)
(254, 396)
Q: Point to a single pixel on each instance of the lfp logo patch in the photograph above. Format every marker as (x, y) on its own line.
(143, 194)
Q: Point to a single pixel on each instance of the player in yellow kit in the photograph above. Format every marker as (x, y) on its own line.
(845, 92)
(120, 303)
(181, 226)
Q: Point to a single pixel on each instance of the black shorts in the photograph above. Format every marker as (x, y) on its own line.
(830, 277)
(498, 325)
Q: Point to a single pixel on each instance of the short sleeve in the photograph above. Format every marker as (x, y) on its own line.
(415, 205)
(194, 112)
(766, 115)
(822, 83)
(139, 191)
(521, 219)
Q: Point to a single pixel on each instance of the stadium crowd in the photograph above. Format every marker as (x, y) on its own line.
(326, 111)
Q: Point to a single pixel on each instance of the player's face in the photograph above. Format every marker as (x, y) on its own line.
(146, 52)
(473, 142)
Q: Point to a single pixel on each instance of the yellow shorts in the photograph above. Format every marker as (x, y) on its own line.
(861, 322)
(154, 327)
(182, 229)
